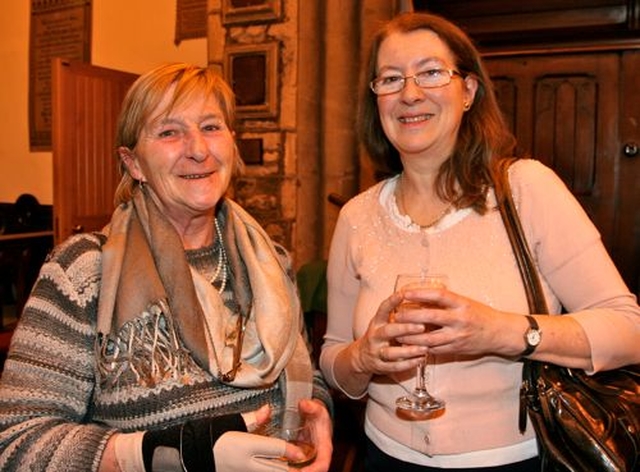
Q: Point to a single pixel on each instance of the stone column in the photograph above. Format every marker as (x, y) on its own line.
(341, 70)
(309, 214)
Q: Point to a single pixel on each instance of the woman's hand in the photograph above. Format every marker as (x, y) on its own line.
(379, 351)
(246, 452)
(471, 328)
(254, 419)
(462, 326)
(315, 413)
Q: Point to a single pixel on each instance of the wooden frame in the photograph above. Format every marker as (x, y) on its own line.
(250, 11)
(251, 150)
(252, 71)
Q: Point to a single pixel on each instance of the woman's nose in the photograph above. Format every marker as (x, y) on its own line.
(197, 146)
(411, 92)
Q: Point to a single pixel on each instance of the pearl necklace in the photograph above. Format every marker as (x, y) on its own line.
(238, 334)
(222, 260)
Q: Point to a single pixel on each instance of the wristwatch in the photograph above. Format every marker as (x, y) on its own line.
(532, 336)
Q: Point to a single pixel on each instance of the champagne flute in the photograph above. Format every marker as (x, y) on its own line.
(420, 404)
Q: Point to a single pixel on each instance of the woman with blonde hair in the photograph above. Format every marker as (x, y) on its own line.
(163, 341)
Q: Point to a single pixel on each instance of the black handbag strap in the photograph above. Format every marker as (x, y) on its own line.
(530, 279)
(528, 271)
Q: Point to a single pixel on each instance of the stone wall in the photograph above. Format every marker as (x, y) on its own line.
(309, 144)
(266, 189)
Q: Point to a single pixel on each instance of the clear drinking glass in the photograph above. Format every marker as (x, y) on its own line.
(295, 430)
(420, 404)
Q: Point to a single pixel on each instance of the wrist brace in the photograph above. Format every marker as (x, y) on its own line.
(193, 440)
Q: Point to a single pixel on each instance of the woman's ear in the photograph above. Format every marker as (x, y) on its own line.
(470, 88)
(130, 162)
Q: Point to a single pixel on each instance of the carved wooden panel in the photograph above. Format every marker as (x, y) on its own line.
(505, 88)
(565, 128)
(564, 112)
(576, 113)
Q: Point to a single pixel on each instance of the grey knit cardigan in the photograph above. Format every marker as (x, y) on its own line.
(53, 415)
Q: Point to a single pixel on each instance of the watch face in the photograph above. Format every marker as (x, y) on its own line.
(533, 337)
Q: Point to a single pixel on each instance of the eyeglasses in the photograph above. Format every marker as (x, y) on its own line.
(431, 78)
(241, 325)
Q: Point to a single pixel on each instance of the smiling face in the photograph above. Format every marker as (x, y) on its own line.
(186, 156)
(420, 121)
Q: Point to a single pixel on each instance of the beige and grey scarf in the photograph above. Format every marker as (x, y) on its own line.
(145, 273)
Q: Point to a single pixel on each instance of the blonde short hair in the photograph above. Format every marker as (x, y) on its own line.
(149, 90)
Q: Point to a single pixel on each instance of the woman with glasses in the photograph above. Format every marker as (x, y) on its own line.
(430, 122)
(163, 341)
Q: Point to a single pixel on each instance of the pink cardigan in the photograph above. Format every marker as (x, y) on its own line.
(373, 242)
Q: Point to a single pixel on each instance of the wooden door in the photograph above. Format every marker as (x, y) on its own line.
(626, 247)
(566, 110)
(86, 101)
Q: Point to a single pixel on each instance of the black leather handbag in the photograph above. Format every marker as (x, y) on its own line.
(583, 423)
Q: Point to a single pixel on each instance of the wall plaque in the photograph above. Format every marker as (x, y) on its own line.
(59, 28)
(191, 20)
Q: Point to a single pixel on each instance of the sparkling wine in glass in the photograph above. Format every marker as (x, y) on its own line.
(420, 404)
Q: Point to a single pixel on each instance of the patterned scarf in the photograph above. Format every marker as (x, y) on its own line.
(145, 274)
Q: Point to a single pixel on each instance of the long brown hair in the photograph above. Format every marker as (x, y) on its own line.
(149, 90)
(483, 137)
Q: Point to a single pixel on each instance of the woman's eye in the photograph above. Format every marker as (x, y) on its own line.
(390, 79)
(432, 72)
(211, 127)
(166, 133)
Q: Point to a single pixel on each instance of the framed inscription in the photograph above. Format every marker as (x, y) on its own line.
(250, 11)
(191, 20)
(252, 71)
(59, 28)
